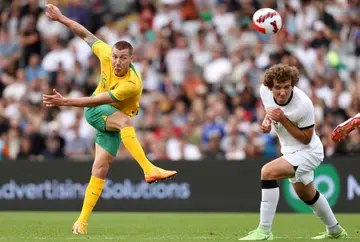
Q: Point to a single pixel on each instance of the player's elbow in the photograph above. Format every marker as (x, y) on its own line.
(89, 104)
(306, 140)
(102, 98)
(307, 136)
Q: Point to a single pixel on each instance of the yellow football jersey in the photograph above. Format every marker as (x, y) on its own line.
(125, 90)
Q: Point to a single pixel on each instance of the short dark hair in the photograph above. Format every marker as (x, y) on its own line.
(122, 44)
(281, 73)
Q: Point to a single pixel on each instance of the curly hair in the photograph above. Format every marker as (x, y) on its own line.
(281, 73)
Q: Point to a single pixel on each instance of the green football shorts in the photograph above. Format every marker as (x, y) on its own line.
(96, 117)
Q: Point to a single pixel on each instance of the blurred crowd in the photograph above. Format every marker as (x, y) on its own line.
(201, 64)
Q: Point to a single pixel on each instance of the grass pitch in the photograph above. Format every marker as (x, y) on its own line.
(118, 226)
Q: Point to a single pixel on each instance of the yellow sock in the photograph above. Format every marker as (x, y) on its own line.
(132, 144)
(92, 194)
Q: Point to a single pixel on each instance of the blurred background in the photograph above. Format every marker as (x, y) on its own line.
(201, 64)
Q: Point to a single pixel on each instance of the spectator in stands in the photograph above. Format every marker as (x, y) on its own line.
(201, 63)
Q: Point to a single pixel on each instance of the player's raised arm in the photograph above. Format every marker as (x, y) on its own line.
(57, 100)
(55, 14)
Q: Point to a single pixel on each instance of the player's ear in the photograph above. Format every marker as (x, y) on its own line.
(132, 58)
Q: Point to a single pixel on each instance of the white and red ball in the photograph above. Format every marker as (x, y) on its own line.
(267, 21)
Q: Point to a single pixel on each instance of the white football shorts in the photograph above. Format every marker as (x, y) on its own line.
(306, 160)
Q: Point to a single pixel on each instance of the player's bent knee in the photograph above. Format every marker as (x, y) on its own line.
(267, 173)
(124, 122)
(100, 171)
(127, 122)
(118, 121)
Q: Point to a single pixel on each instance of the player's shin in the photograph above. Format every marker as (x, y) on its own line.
(322, 210)
(132, 144)
(92, 194)
(269, 200)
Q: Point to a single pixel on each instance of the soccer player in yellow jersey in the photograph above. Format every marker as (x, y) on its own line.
(109, 111)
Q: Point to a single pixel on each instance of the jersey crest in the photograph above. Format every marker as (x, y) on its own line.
(276, 124)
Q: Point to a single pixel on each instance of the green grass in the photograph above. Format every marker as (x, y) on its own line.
(116, 226)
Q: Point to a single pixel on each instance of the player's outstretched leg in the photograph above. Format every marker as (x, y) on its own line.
(120, 121)
(270, 173)
(343, 129)
(322, 210)
(94, 189)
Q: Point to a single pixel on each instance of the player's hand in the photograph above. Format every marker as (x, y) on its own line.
(53, 12)
(266, 126)
(55, 100)
(276, 114)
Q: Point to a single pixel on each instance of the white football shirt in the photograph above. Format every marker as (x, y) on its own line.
(300, 111)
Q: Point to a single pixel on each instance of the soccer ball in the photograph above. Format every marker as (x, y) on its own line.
(267, 21)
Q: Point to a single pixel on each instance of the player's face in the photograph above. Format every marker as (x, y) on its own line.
(120, 60)
(282, 91)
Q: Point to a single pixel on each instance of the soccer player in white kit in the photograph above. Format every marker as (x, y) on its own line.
(291, 113)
